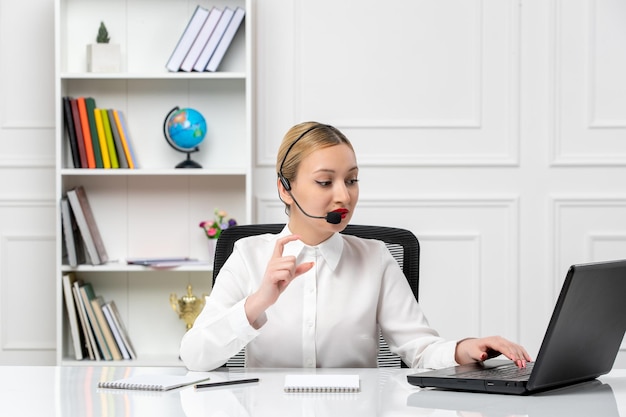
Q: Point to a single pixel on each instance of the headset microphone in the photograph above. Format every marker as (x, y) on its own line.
(331, 217)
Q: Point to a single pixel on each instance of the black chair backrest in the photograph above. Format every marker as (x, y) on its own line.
(402, 244)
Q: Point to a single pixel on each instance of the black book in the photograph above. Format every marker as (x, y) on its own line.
(71, 132)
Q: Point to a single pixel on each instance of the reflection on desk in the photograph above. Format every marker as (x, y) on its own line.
(72, 391)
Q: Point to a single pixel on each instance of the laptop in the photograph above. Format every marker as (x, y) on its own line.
(581, 343)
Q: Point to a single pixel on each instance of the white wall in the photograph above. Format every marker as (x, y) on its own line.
(493, 129)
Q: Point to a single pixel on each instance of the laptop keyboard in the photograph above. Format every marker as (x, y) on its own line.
(510, 372)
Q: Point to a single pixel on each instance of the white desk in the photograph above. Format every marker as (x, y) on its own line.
(72, 391)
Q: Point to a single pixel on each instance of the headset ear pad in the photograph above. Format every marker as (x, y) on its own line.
(285, 182)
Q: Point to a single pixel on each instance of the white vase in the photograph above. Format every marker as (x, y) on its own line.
(103, 57)
(212, 245)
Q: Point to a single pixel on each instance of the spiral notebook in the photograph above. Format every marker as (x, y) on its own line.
(322, 383)
(154, 382)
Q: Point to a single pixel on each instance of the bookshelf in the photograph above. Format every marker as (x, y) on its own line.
(153, 210)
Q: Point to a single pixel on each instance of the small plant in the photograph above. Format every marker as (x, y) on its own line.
(103, 34)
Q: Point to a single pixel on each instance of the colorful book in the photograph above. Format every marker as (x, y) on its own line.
(186, 40)
(214, 40)
(71, 133)
(106, 161)
(117, 140)
(90, 104)
(80, 143)
(84, 123)
(201, 40)
(109, 138)
(226, 40)
(123, 138)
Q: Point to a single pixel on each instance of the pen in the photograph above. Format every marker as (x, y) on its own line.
(233, 382)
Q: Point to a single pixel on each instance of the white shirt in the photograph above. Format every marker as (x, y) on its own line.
(327, 317)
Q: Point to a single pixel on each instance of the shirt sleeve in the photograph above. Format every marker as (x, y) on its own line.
(404, 324)
(222, 329)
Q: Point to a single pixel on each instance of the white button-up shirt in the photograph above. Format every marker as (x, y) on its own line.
(327, 317)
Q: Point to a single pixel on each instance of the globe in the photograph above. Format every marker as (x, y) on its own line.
(184, 130)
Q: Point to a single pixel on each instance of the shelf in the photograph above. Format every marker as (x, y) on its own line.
(154, 76)
(154, 172)
(121, 267)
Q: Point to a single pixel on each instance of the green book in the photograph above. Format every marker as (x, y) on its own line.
(90, 103)
(109, 135)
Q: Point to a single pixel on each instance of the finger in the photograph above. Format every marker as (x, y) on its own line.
(280, 245)
(302, 268)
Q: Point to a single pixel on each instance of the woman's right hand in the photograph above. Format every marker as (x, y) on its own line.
(280, 271)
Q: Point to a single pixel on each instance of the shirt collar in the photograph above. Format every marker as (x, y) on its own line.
(330, 249)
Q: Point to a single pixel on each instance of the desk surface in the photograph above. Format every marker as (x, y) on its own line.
(72, 391)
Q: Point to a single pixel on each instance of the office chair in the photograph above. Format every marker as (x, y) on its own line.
(402, 244)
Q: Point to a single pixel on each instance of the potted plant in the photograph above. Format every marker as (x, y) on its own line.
(103, 56)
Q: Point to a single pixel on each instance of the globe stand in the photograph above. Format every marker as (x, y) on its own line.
(187, 163)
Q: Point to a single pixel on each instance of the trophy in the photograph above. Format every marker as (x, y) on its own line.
(188, 306)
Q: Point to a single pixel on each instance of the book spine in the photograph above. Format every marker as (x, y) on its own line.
(106, 161)
(119, 149)
(190, 33)
(81, 221)
(84, 123)
(124, 142)
(226, 40)
(96, 304)
(68, 281)
(108, 315)
(90, 104)
(214, 40)
(109, 136)
(90, 340)
(80, 142)
(71, 133)
(87, 294)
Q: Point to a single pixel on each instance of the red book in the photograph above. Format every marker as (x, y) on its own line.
(80, 142)
(84, 123)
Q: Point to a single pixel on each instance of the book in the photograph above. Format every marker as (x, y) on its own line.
(89, 338)
(84, 123)
(106, 124)
(80, 142)
(96, 303)
(190, 33)
(104, 148)
(71, 235)
(214, 40)
(90, 104)
(226, 40)
(123, 139)
(87, 294)
(322, 383)
(72, 314)
(127, 137)
(117, 140)
(156, 382)
(201, 40)
(116, 330)
(71, 133)
(87, 225)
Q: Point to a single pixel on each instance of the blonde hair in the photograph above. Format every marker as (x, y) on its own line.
(298, 143)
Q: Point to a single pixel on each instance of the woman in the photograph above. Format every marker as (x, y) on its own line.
(312, 297)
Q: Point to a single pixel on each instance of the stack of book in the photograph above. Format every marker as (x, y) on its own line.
(99, 138)
(83, 242)
(98, 332)
(206, 39)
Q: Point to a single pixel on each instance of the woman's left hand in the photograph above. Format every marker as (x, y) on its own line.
(480, 349)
